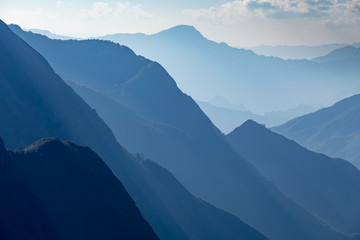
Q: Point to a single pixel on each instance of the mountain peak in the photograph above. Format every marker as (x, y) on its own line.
(15, 26)
(252, 124)
(250, 127)
(182, 30)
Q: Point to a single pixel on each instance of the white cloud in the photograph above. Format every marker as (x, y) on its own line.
(116, 11)
(234, 11)
(99, 9)
(59, 3)
(134, 10)
(294, 22)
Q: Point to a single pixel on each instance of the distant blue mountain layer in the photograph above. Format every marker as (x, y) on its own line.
(205, 69)
(334, 131)
(299, 52)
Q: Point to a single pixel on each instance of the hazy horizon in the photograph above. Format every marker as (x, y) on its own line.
(238, 23)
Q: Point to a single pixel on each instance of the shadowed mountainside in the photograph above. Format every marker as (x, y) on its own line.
(74, 189)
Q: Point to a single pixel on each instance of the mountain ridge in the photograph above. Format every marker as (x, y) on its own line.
(332, 130)
(241, 75)
(209, 170)
(62, 113)
(327, 187)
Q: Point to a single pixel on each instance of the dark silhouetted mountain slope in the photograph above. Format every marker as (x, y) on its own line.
(334, 131)
(21, 213)
(198, 154)
(37, 103)
(78, 193)
(330, 188)
(205, 69)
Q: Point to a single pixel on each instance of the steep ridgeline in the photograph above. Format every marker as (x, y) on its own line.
(330, 188)
(192, 149)
(334, 131)
(77, 194)
(204, 69)
(37, 103)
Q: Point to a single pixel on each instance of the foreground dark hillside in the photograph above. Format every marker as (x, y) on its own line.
(57, 190)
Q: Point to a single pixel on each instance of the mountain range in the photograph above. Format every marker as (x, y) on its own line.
(334, 131)
(50, 34)
(38, 104)
(259, 83)
(330, 188)
(298, 52)
(182, 138)
(227, 116)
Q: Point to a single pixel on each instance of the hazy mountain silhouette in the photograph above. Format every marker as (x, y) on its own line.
(227, 119)
(195, 150)
(348, 53)
(298, 52)
(76, 191)
(40, 104)
(204, 69)
(50, 34)
(220, 101)
(330, 188)
(334, 131)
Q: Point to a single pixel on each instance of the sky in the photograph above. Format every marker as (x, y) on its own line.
(241, 23)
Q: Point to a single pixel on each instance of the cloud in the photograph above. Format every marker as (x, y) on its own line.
(98, 10)
(59, 3)
(135, 10)
(115, 11)
(236, 10)
(277, 22)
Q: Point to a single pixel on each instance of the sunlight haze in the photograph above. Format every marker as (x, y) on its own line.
(238, 23)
